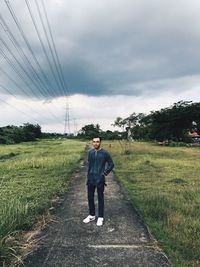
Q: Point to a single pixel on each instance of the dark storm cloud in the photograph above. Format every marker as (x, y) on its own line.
(121, 47)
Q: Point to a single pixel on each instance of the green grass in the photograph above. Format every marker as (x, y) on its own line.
(164, 185)
(31, 174)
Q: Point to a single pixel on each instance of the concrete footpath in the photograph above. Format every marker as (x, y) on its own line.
(123, 240)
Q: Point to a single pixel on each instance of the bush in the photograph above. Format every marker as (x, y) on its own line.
(177, 144)
(13, 134)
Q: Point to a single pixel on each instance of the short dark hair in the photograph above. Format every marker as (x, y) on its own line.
(96, 136)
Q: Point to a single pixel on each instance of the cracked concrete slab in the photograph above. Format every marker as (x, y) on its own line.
(123, 240)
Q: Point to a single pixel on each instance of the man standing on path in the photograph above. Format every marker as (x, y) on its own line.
(100, 164)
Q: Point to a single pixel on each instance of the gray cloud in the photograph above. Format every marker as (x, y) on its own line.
(117, 47)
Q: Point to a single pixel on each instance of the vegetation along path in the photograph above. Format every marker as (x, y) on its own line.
(123, 240)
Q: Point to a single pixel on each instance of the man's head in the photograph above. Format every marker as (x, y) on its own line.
(96, 142)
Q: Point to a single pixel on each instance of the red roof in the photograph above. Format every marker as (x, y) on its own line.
(193, 134)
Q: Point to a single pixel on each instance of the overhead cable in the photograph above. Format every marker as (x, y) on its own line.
(54, 48)
(23, 55)
(24, 37)
(42, 44)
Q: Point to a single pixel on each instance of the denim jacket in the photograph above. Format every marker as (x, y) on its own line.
(100, 164)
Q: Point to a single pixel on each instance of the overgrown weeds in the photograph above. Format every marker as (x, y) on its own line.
(32, 174)
(164, 185)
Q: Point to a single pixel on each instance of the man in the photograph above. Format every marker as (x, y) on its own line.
(100, 165)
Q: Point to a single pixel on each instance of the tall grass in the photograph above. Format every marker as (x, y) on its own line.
(31, 174)
(164, 185)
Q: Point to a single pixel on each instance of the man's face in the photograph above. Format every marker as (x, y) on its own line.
(96, 143)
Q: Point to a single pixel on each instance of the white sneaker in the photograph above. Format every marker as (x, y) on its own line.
(100, 221)
(89, 218)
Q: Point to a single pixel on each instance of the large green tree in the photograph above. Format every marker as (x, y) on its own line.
(172, 123)
(15, 134)
(89, 131)
(132, 125)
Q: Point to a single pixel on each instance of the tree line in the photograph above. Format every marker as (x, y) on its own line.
(172, 123)
(15, 134)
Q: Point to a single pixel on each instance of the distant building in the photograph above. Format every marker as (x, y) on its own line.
(193, 134)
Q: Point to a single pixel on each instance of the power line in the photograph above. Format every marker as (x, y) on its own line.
(17, 109)
(57, 63)
(24, 38)
(21, 52)
(50, 48)
(18, 48)
(15, 69)
(41, 42)
(54, 47)
(13, 66)
(22, 67)
(16, 84)
(28, 45)
(9, 92)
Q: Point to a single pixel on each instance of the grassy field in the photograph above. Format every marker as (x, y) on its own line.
(164, 185)
(31, 174)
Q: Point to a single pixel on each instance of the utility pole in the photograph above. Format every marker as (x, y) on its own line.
(67, 123)
(75, 127)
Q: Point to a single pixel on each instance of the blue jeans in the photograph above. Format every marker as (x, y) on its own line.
(91, 204)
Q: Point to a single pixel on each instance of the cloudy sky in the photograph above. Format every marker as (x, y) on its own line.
(117, 57)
